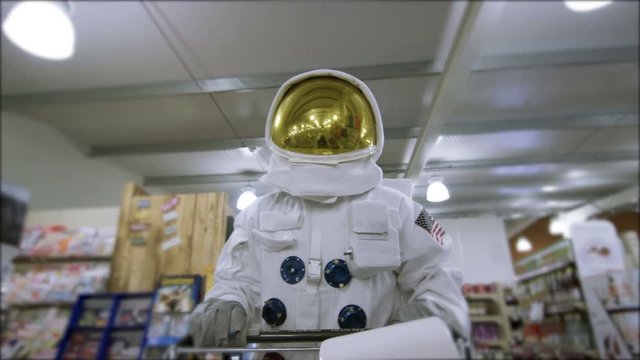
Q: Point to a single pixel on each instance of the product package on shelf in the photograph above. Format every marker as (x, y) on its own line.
(174, 300)
(82, 345)
(95, 313)
(56, 282)
(34, 333)
(59, 241)
(133, 312)
(125, 345)
(490, 330)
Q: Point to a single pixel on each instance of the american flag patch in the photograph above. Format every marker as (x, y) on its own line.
(428, 223)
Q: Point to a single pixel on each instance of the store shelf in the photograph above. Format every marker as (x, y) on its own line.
(558, 350)
(545, 270)
(482, 296)
(564, 307)
(27, 305)
(486, 318)
(24, 259)
(621, 308)
(493, 343)
(128, 328)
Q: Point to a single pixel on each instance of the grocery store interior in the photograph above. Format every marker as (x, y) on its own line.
(133, 134)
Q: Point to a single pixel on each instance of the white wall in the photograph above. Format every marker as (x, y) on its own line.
(480, 249)
(40, 158)
(75, 218)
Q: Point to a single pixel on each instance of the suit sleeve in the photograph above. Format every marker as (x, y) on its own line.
(429, 285)
(237, 276)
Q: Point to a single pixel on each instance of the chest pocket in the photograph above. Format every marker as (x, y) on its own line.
(374, 242)
(276, 229)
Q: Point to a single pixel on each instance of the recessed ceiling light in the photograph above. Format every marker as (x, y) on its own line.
(437, 191)
(584, 6)
(523, 244)
(247, 197)
(41, 28)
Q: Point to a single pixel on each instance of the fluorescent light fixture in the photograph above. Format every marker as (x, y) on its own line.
(523, 244)
(557, 226)
(549, 188)
(584, 6)
(247, 197)
(437, 191)
(41, 28)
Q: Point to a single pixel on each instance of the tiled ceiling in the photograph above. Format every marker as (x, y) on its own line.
(546, 121)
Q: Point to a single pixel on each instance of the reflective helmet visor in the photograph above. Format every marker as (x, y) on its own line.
(324, 115)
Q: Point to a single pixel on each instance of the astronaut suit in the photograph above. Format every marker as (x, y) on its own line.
(331, 248)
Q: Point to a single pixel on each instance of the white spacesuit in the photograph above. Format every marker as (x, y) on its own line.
(332, 248)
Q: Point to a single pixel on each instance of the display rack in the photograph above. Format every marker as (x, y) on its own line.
(563, 302)
(105, 326)
(55, 265)
(491, 333)
(174, 299)
(610, 287)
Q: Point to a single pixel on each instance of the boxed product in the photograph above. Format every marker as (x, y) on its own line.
(125, 344)
(82, 345)
(175, 298)
(133, 312)
(95, 312)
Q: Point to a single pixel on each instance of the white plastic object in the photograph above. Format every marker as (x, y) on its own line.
(419, 339)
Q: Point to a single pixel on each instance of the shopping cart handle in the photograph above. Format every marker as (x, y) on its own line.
(185, 341)
(299, 335)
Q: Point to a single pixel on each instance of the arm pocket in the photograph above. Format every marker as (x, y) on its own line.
(374, 242)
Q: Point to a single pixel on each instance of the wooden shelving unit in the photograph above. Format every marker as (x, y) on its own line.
(496, 314)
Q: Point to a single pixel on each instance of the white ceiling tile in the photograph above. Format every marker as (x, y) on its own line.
(240, 38)
(247, 111)
(506, 144)
(615, 138)
(547, 173)
(116, 44)
(396, 151)
(538, 92)
(195, 163)
(401, 100)
(143, 121)
(543, 26)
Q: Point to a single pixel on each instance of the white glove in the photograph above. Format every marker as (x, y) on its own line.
(217, 322)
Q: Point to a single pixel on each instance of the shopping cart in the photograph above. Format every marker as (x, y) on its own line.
(278, 345)
(260, 346)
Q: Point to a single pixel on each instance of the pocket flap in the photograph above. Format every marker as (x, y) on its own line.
(275, 241)
(370, 217)
(278, 220)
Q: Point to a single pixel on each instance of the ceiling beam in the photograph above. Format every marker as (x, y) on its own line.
(212, 145)
(572, 159)
(577, 159)
(457, 128)
(477, 19)
(373, 72)
(558, 58)
(560, 186)
(545, 123)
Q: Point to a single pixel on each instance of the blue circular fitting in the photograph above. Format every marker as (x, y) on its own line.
(336, 273)
(352, 317)
(292, 270)
(274, 312)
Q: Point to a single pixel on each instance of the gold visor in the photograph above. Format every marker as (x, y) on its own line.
(324, 116)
